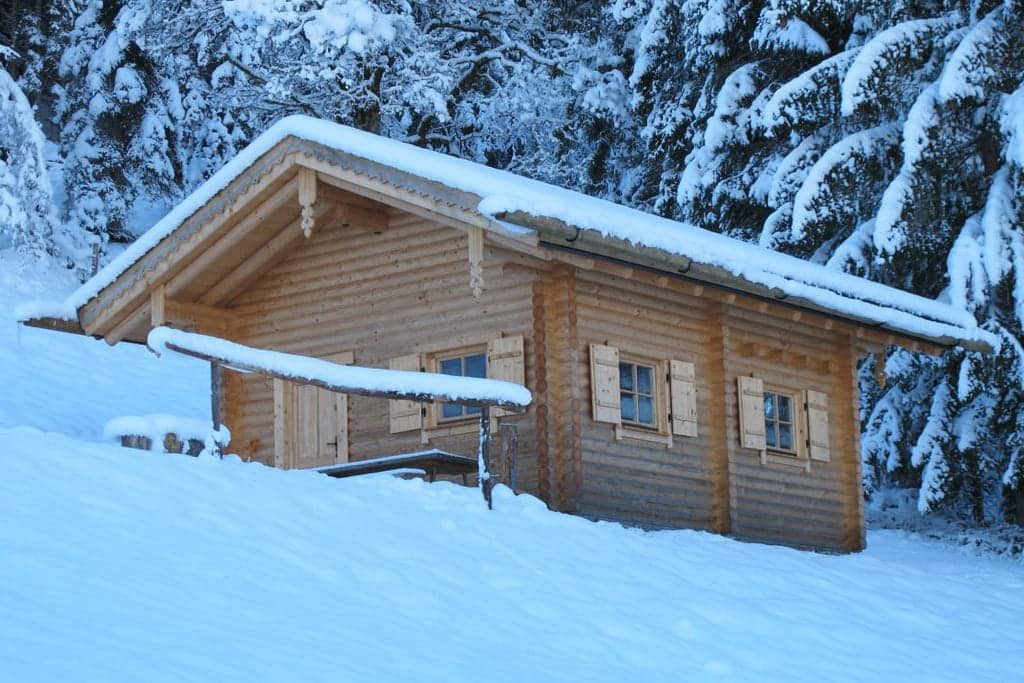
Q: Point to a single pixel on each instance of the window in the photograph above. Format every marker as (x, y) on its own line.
(637, 394)
(779, 427)
(470, 365)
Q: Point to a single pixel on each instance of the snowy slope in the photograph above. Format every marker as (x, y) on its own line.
(72, 384)
(122, 565)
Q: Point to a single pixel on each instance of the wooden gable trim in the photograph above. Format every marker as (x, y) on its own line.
(267, 179)
(119, 307)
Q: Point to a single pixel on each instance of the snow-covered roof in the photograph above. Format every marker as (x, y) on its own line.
(501, 193)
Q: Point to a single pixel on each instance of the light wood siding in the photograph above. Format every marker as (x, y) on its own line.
(381, 296)
(779, 500)
(407, 290)
(629, 480)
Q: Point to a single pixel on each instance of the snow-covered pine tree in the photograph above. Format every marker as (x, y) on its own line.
(873, 138)
(27, 219)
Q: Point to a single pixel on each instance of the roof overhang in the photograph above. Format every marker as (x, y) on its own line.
(262, 181)
(556, 234)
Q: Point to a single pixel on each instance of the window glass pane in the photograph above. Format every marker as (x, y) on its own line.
(451, 366)
(769, 406)
(472, 410)
(786, 436)
(643, 379)
(769, 435)
(784, 408)
(476, 365)
(628, 407)
(451, 410)
(645, 405)
(626, 376)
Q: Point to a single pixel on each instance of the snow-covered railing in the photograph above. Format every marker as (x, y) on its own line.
(346, 379)
(404, 385)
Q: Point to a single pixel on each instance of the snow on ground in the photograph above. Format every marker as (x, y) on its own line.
(125, 565)
(71, 384)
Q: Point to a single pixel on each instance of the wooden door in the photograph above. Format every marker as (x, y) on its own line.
(321, 429)
(310, 424)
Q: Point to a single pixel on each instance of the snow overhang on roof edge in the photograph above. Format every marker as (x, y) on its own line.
(504, 193)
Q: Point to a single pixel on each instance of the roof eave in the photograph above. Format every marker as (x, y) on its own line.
(560, 235)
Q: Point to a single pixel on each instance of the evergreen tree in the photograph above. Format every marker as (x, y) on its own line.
(26, 213)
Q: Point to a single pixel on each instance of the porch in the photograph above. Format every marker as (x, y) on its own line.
(332, 382)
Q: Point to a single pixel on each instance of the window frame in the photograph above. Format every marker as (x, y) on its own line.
(660, 430)
(637, 394)
(437, 419)
(795, 422)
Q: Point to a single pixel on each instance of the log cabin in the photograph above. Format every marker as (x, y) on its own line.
(680, 378)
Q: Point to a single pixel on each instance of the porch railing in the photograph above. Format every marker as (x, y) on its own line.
(484, 394)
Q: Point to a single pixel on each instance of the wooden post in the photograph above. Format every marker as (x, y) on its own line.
(215, 380)
(509, 435)
(484, 456)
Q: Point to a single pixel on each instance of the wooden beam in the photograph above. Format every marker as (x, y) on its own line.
(231, 241)
(717, 351)
(157, 310)
(751, 302)
(57, 324)
(256, 264)
(459, 212)
(135, 320)
(351, 211)
(192, 316)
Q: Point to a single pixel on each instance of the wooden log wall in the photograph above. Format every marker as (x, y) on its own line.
(379, 294)
(405, 289)
(780, 501)
(709, 482)
(629, 480)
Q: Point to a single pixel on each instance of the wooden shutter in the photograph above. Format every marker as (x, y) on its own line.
(604, 383)
(405, 416)
(505, 361)
(816, 406)
(751, 403)
(683, 393)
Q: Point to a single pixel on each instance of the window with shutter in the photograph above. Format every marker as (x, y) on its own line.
(683, 394)
(750, 391)
(816, 405)
(506, 361)
(467, 365)
(604, 383)
(405, 416)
